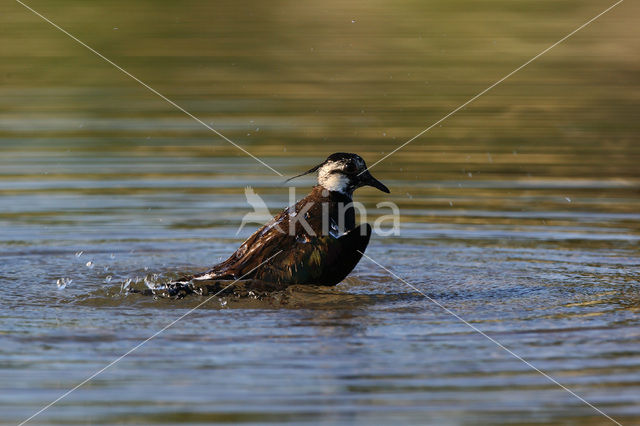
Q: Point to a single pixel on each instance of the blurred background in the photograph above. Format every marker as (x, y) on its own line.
(521, 212)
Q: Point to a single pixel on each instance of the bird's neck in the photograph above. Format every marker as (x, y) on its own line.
(339, 207)
(322, 193)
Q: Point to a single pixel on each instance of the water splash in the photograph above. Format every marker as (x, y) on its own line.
(125, 285)
(63, 282)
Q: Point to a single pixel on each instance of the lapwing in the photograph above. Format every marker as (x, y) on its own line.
(315, 241)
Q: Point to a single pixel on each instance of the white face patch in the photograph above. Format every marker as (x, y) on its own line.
(336, 181)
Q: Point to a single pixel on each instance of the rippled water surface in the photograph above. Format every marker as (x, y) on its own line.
(520, 214)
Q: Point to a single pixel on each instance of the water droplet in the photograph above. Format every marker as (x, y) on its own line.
(63, 282)
(89, 264)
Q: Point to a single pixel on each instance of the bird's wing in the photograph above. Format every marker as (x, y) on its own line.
(260, 246)
(293, 254)
(322, 260)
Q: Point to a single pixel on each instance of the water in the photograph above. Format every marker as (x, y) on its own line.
(520, 213)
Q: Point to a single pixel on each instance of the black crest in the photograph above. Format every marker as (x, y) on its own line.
(335, 157)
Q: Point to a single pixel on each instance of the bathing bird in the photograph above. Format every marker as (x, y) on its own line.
(314, 241)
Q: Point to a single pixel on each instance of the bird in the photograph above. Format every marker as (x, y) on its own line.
(315, 241)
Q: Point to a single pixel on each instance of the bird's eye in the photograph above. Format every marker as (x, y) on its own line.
(350, 168)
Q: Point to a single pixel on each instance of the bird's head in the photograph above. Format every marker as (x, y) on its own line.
(344, 172)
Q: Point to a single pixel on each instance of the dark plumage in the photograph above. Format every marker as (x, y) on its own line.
(322, 249)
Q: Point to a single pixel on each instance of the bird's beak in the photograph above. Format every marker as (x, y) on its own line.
(368, 180)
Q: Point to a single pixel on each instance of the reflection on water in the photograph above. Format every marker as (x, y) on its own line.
(520, 213)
